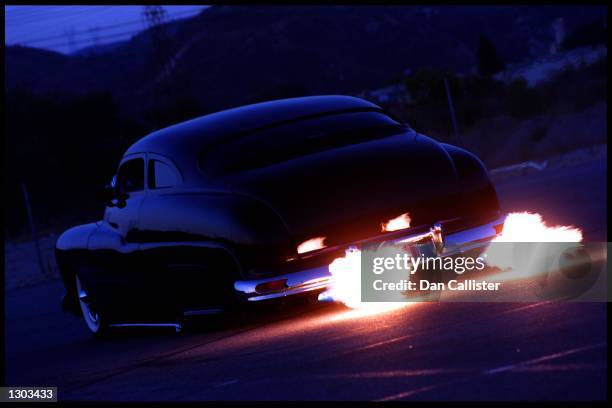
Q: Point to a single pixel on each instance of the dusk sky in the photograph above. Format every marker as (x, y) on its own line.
(69, 28)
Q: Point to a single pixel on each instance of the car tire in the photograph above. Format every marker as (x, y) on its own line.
(95, 322)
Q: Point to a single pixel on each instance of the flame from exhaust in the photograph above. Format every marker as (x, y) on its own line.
(311, 245)
(346, 286)
(397, 223)
(526, 227)
(518, 227)
(530, 227)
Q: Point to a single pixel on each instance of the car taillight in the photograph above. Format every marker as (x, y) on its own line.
(311, 245)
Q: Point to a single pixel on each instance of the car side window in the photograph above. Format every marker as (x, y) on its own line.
(131, 176)
(161, 175)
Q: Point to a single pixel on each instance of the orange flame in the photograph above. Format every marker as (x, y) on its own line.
(529, 227)
(518, 227)
(346, 286)
(311, 245)
(526, 227)
(397, 223)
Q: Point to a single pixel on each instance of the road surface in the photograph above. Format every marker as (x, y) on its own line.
(427, 351)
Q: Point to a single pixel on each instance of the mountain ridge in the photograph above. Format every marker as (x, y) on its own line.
(230, 55)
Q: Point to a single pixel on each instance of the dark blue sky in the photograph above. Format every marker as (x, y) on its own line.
(68, 28)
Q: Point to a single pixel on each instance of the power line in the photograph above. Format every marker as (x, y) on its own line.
(99, 38)
(104, 28)
(28, 10)
(58, 11)
(44, 11)
(107, 27)
(57, 14)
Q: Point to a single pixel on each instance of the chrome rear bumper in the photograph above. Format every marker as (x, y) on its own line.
(317, 279)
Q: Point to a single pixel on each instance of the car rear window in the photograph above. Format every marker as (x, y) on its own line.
(290, 141)
(161, 175)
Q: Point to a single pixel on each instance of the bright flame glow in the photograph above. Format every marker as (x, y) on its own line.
(346, 286)
(529, 227)
(518, 227)
(311, 245)
(397, 223)
(526, 227)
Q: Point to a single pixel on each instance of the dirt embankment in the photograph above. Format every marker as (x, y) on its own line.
(502, 140)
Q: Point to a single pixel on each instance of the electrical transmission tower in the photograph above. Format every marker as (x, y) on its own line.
(95, 38)
(69, 33)
(155, 18)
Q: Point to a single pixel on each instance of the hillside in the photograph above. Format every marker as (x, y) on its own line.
(229, 55)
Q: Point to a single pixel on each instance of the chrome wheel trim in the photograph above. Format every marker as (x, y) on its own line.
(92, 319)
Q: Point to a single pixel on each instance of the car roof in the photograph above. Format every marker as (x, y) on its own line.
(195, 134)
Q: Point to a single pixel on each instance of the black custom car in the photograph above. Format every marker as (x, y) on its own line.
(210, 213)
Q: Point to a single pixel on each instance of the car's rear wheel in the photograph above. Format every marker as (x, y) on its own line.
(93, 319)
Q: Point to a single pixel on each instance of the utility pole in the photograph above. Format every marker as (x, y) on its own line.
(451, 109)
(26, 199)
(155, 18)
(70, 39)
(94, 35)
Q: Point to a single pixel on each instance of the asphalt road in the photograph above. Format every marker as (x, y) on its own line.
(428, 351)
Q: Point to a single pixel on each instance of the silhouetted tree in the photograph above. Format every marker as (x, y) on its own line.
(523, 101)
(426, 87)
(489, 62)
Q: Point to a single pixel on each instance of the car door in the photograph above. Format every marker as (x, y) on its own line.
(115, 272)
(191, 274)
(170, 263)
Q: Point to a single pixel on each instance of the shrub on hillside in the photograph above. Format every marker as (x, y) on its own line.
(523, 101)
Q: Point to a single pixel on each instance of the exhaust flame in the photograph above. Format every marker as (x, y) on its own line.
(527, 227)
(311, 245)
(346, 278)
(397, 223)
(518, 227)
(346, 286)
(530, 227)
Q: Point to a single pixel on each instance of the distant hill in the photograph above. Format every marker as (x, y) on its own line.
(99, 49)
(229, 55)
